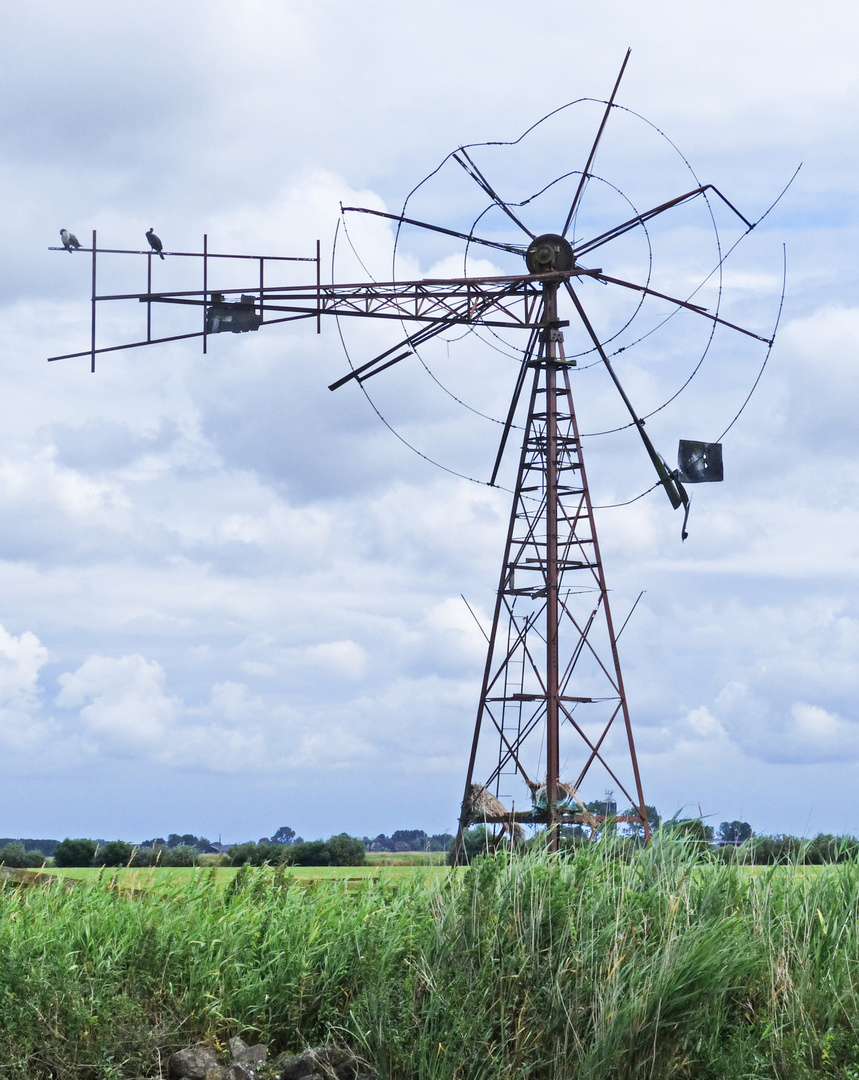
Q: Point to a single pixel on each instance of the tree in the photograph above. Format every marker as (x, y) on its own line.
(409, 840)
(735, 832)
(310, 853)
(14, 855)
(381, 843)
(114, 853)
(249, 854)
(691, 831)
(475, 841)
(181, 855)
(635, 829)
(80, 852)
(284, 835)
(439, 841)
(606, 807)
(345, 850)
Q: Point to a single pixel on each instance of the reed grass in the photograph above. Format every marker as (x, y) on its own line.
(656, 966)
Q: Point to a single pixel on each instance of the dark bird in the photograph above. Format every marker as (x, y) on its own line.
(70, 241)
(154, 243)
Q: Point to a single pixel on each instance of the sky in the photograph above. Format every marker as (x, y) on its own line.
(232, 600)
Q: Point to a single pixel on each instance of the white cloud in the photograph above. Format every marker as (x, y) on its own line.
(122, 702)
(21, 659)
(702, 724)
(338, 659)
(22, 727)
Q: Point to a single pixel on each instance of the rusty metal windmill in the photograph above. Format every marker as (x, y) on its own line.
(552, 708)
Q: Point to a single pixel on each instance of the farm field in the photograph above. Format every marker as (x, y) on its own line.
(221, 876)
(659, 966)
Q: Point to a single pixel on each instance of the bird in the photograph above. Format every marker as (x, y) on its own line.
(70, 241)
(154, 242)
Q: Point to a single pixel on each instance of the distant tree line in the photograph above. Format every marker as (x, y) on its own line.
(732, 841)
(199, 843)
(340, 850)
(775, 850)
(16, 855)
(45, 848)
(408, 840)
(283, 835)
(85, 852)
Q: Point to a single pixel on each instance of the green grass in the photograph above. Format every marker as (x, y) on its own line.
(405, 858)
(147, 877)
(522, 969)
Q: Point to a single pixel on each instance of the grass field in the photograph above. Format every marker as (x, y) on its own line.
(221, 876)
(526, 969)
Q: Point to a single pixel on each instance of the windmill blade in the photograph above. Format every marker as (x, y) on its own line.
(639, 219)
(673, 488)
(592, 155)
(477, 175)
(409, 344)
(680, 303)
(514, 403)
(515, 249)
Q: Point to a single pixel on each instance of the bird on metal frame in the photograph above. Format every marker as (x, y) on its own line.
(70, 241)
(154, 242)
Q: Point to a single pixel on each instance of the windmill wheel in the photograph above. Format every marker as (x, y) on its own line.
(648, 256)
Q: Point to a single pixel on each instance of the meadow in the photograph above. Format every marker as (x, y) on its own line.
(659, 965)
(218, 876)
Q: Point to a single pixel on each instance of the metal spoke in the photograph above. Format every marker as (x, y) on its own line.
(680, 303)
(592, 155)
(639, 219)
(673, 488)
(409, 344)
(515, 249)
(477, 175)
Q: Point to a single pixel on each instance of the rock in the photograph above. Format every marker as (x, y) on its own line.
(324, 1063)
(196, 1063)
(247, 1055)
(240, 1070)
(237, 1048)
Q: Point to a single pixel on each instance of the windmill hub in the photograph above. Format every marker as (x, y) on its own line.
(548, 253)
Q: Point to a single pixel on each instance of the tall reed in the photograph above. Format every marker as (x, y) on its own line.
(659, 965)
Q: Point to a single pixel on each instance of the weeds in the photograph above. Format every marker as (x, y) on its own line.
(655, 966)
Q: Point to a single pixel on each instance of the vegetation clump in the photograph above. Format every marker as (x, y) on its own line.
(16, 856)
(653, 964)
(339, 850)
(83, 852)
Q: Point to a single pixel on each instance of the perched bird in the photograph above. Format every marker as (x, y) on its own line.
(70, 241)
(154, 242)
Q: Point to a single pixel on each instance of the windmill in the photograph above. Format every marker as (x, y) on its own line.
(552, 709)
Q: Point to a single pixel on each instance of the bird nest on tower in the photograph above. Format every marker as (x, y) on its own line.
(487, 808)
(567, 801)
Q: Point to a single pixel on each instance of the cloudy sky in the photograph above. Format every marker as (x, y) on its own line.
(230, 599)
